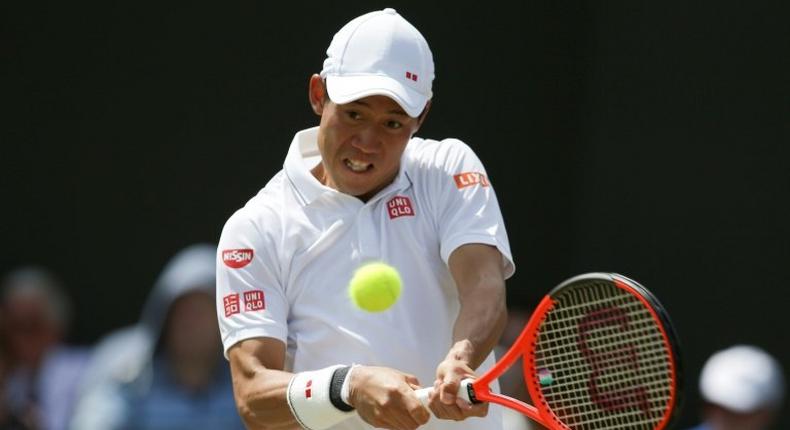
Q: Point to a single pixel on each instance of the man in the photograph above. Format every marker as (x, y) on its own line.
(355, 189)
(743, 389)
(44, 371)
(166, 371)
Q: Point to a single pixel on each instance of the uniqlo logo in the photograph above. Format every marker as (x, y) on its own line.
(237, 258)
(467, 179)
(231, 303)
(253, 300)
(308, 391)
(399, 206)
(412, 76)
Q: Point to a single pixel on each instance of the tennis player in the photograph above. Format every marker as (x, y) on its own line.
(360, 187)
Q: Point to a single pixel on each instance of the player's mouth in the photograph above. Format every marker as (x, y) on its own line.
(357, 166)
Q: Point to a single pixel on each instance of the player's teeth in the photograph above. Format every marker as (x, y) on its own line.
(357, 166)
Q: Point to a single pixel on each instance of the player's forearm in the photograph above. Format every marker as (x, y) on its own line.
(259, 385)
(480, 322)
(261, 399)
(479, 275)
(269, 398)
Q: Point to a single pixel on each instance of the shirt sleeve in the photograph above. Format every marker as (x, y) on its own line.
(468, 209)
(250, 298)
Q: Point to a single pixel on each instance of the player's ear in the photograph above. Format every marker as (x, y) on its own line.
(423, 114)
(317, 94)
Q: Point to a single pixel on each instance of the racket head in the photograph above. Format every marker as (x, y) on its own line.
(601, 353)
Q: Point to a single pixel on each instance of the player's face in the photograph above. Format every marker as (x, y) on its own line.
(361, 144)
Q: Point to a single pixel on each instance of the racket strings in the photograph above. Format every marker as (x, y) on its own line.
(607, 360)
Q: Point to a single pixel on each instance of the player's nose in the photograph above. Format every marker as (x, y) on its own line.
(367, 140)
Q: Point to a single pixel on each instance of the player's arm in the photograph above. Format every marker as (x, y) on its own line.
(260, 385)
(479, 275)
(383, 397)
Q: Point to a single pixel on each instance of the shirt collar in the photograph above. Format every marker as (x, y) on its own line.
(303, 155)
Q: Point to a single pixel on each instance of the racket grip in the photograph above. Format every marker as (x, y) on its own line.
(465, 391)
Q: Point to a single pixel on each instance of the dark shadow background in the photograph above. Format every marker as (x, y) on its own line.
(648, 138)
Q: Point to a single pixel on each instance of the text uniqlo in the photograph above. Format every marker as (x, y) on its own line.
(399, 206)
(253, 300)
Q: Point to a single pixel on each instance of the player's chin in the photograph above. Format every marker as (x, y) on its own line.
(362, 189)
(361, 195)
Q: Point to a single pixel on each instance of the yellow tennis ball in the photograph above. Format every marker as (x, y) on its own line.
(375, 287)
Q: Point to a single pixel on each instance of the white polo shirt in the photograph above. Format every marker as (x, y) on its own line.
(285, 260)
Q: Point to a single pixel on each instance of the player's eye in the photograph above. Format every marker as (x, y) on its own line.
(354, 114)
(394, 124)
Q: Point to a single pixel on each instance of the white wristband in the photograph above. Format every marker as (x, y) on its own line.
(308, 398)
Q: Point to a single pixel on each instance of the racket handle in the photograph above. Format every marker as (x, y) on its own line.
(465, 391)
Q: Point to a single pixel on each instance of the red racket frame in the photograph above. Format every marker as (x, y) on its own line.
(525, 345)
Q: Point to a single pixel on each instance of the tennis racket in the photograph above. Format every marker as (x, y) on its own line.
(599, 352)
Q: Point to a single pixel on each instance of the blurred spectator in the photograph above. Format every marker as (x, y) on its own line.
(7, 420)
(743, 389)
(41, 372)
(167, 371)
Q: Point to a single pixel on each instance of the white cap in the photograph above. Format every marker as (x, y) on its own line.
(743, 379)
(380, 53)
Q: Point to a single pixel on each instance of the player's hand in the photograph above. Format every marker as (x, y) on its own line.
(384, 398)
(444, 402)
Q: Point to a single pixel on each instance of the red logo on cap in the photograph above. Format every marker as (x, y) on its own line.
(412, 76)
(399, 206)
(253, 300)
(308, 392)
(231, 303)
(467, 179)
(237, 258)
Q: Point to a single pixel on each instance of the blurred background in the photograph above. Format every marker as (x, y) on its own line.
(641, 137)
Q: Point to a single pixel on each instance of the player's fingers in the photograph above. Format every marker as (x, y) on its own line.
(415, 413)
(414, 386)
(404, 422)
(411, 380)
(475, 410)
(463, 404)
(446, 412)
(459, 411)
(419, 412)
(396, 418)
(448, 389)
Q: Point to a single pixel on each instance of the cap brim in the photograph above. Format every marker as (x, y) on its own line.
(736, 402)
(345, 89)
